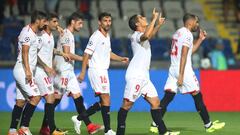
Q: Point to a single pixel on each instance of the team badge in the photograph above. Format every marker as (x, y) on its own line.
(90, 43)
(67, 40)
(27, 39)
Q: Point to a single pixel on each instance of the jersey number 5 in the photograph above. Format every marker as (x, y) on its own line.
(174, 50)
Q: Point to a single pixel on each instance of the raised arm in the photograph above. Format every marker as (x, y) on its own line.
(149, 30)
(161, 21)
(202, 36)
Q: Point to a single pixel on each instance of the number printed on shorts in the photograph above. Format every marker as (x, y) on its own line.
(47, 80)
(32, 83)
(137, 87)
(103, 79)
(64, 81)
(174, 50)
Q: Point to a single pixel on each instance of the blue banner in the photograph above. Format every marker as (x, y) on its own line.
(117, 82)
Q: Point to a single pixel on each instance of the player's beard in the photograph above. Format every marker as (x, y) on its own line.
(195, 29)
(42, 28)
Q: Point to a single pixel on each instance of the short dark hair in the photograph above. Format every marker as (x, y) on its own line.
(188, 16)
(103, 14)
(132, 22)
(74, 16)
(37, 15)
(51, 16)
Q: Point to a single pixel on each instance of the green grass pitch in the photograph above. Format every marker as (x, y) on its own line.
(189, 123)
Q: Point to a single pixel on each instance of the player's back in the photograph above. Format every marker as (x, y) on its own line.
(140, 63)
(46, 51)
(67, 39)
(182, 37)
(28, 37)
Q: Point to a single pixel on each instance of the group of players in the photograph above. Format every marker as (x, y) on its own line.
(42, 71)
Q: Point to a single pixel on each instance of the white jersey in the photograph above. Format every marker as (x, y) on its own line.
(182, 37)
(67, 39)
(30, 38)
(99, 47)
(46, 51)
(140, 63)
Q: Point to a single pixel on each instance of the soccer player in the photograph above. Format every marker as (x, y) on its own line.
(98, 54)
(137, 76)
(66, 81)
(45, 73)
(24, 72)
(181, 76)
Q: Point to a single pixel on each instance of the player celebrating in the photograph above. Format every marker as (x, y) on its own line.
(66, 80)
(24, 72)
(181, 75)
(45, 73)
(137, 76)
(98, 54)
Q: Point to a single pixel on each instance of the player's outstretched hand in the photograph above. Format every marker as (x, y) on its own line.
(202, 34)
(154, 14)
(81, 77)
(125, 59)
(161, 20)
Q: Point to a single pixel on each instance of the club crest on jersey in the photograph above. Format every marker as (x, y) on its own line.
(90, 43)
(67, 40)
(27, 39)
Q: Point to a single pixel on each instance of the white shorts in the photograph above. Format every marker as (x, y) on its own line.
(137, 87)
(25, 90)
(190, 82)
(66, 82)
(99, 81)
(44, 82)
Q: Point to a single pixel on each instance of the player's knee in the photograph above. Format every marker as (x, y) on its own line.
(35, 100)
(20, 103)
(105, 100)
(127, 105)
(155, 104)
(75, 96)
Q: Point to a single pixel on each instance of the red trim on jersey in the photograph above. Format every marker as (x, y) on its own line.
(90, 49)
(191, 92)
(97, 93)
(31, 28)
(49, 34)
(126, 99)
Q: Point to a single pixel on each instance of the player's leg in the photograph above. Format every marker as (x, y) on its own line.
(170, 91)
(105, 110)
(30, 91)
(16, 115)
(151, 97)
(203, 112)
(74, 90)
(122, 116)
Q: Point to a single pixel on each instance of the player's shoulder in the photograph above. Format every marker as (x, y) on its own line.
(27, 30)
(96, 35)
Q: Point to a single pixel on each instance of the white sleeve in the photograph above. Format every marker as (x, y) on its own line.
(64, 40)
(187, 41)
(138, 37)
(25, 38)
(91, 46)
